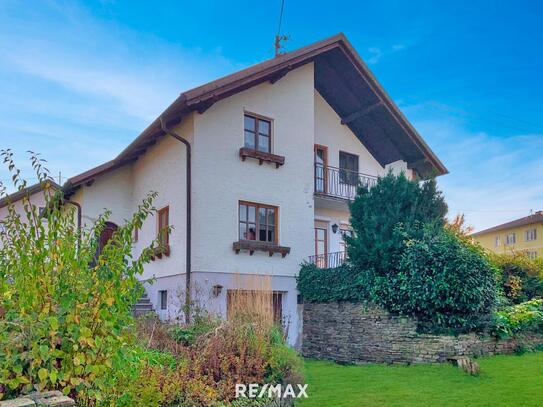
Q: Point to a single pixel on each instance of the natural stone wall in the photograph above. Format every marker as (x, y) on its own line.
(355, 333)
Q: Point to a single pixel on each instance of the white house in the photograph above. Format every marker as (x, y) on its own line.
(255, 171)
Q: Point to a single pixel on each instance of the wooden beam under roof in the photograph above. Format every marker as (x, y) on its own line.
(360, 113)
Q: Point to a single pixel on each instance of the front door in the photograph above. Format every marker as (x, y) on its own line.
(321, 244)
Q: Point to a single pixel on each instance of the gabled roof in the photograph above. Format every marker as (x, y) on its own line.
(28, 191)
(341, 77)
(527, 220)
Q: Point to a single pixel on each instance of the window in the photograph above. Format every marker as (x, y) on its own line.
(532, 255)
(163, 299)
(510, 239)
(257, 133)
(257, 222)
(163, 225)
(497, 241)
(348, 168)
(321, 163)
(106, 235)
(530, 234)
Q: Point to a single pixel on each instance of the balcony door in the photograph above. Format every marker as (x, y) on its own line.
(321, 162)
(321, 244)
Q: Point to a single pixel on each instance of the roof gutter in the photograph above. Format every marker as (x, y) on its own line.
(176, 136)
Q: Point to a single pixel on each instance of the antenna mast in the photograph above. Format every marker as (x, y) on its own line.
(278, 36)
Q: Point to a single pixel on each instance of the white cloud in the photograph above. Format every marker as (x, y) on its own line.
(492, 179)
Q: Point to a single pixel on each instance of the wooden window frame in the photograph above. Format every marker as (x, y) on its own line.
(324, 169)
(258, 118)
(160, 228)
(257, 222)
(508, 240)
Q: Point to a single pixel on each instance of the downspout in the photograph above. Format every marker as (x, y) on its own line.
(189, 230)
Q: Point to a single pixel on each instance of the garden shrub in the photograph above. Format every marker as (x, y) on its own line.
(520, 318)
(403, 258)
(444, 281)
(188, 334)
(377, 211)
(66, 320)
(521, 278)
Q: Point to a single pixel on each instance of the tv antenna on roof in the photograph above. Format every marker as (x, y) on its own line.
(278, 37)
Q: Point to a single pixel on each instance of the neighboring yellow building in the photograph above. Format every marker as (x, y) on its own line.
(521, 235)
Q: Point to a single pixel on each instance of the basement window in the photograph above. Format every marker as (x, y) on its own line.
(163, 299)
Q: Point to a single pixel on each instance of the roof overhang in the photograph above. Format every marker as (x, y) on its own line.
(341, 77)
(28, 191)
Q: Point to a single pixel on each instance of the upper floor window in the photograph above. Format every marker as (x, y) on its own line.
(530, 234)
(257, 222)
(258, 135)
(497, 241)
(163, 234)
(510, 239)
(348, 168)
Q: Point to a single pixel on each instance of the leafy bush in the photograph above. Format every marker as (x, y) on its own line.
(444, 281)
(521, 278)
(66, 310)
(376, 212)
(524, 317)
(403, 258)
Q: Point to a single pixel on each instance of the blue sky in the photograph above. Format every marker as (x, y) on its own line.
(80, 80)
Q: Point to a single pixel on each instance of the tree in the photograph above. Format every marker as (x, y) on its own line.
(377, 211)
(66, 311)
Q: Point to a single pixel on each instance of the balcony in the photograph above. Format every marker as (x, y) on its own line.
(340, 183)
(328, 260)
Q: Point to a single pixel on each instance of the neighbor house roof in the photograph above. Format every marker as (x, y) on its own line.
(28, 191)
(341, 77)
(537, 217)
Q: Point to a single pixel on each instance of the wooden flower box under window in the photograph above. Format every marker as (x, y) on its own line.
(261, 156)
(253, 245)
(161, 251)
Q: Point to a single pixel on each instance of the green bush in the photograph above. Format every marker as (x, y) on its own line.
(444, 281)
(524, 317)
(65, 319)
(402, 258)
(521, 278)
(376, 212)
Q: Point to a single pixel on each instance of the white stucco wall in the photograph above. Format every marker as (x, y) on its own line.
(221, 179)
(331, 133)
(37, 199)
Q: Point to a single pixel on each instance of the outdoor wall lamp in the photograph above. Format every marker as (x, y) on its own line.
(334, 227)
(217, 289)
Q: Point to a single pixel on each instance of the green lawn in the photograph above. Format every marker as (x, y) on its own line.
(504, 381)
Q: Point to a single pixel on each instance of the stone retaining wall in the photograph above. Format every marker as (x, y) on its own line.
(354, 333)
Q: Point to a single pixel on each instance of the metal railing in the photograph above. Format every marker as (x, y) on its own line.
(339, 182)
(328, 260)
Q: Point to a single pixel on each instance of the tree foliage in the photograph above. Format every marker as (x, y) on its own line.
(376, 212)
(402, 257)
(64, 309)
